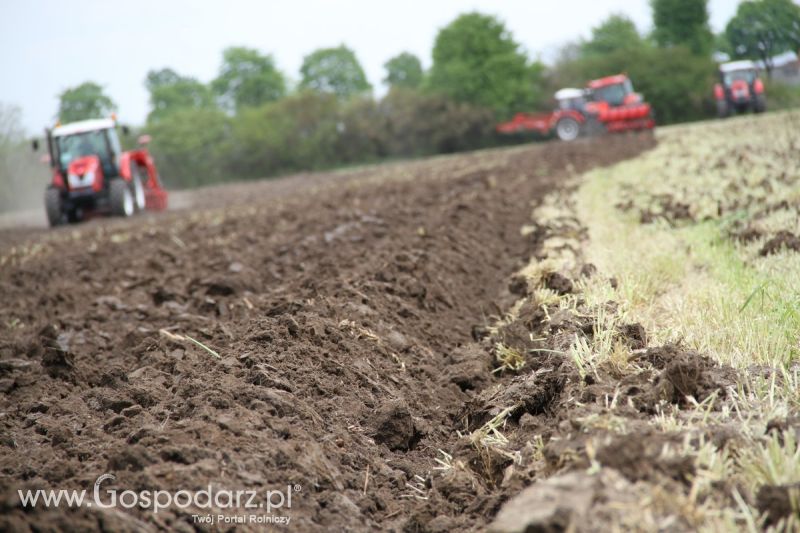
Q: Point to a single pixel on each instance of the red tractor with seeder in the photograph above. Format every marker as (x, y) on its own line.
(739, 89)
(606, 105)
(92, 175)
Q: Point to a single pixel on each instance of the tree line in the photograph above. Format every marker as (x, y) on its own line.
(248, 122)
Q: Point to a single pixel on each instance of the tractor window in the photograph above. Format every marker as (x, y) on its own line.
(571, 103)
(71, 147)
(746, 76)
(613, 94)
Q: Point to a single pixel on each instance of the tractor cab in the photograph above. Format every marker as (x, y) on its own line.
(736, 72)
(73, 142)
(613, 91)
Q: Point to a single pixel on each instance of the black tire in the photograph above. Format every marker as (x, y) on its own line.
(568, 129)
(137, 187)
(52, 205)
(759, 104)
(121, 198)
(722, 109)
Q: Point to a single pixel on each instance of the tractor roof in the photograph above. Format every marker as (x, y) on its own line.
(608, 80)
(568, 93)
(83, 126)
(733, 66)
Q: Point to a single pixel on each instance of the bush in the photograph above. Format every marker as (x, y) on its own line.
(418, 124)
(23, 178)
(189, 146)
(782, 96)
(313, 130)
(296, 133)
(362, 132)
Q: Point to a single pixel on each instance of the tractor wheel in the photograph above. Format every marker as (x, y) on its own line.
(722, 109)
(52, 204)
(760, 104)
(568, 129)
(121, 198)
(138, 187)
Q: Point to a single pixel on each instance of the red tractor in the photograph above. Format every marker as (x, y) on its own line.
(607, 105)
(739, 89)
(92, 175)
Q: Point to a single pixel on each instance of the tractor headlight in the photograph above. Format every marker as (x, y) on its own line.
(88, 178)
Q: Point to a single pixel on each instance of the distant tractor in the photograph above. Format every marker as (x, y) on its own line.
(607, 105)
(739, 89)
(92, 175)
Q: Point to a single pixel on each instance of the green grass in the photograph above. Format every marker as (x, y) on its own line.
(688, 281)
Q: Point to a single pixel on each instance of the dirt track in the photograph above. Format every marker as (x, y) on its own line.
(344, 308)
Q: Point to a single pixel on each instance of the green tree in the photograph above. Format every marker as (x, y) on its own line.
(722, 44)
(335, 71)
(403, 70)
(85, 101)
(476, 60)
(248, 78)
(298, 132)
(682, 23)
(617, 32)
(22, 177)
(190, 145)
(170, 92)
(161, 78)
(763, 28)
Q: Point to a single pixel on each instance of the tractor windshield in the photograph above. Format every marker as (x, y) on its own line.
(746, 76)
(103, 143)
(71, 147)
(571, 103)
(613, 94)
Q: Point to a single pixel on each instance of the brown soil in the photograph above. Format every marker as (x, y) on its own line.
(783, 240)
(345, 310)
(667, 208)
(775, 501)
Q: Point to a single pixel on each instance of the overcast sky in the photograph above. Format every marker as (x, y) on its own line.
(47, 46)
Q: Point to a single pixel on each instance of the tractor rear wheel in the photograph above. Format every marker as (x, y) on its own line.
(138, 188)
(121, 198)
(722, 109)
(568, 129)
(52, 204)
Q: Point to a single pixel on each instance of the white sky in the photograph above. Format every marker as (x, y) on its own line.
(49, 45)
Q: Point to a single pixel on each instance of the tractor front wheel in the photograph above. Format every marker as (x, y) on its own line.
(122, 201)
(52, 204)
(568, 129)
